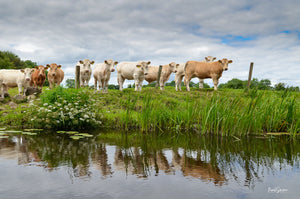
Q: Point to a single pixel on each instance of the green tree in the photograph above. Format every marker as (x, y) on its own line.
(279, 86)
(70, 83)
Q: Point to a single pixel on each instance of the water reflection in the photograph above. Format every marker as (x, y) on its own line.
(210, 159)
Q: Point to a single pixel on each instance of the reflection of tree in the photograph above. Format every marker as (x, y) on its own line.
(100, 160)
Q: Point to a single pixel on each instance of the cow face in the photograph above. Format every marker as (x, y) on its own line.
(110, 64)
(53, 69)
(27, 72)
(224, 62)
(41, 70)
(173, 67)
(144, 66)
(86, 65)
(210, 58)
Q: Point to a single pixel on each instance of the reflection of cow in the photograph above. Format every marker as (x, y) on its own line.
(197, 168)
(100, 160)
(138, 163)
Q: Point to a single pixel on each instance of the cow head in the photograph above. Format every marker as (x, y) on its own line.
(224, 62)
(41, 70)
(143, 66)
(110, 64)
(53, 69)
(27, 72)
(86, 65)
(173, 67)
(210, 59)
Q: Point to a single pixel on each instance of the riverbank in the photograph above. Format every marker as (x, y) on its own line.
(222, 112)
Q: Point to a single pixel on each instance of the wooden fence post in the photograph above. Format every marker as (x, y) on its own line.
(158, 76)
(77, 78)
(250, 75)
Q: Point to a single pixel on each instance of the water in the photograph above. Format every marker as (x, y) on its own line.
(119, 165)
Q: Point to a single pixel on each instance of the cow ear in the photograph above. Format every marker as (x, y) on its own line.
(32, 70)
(220, 61)
(177, 65)
(149, 62)
(22, 70)
(230, 61)
(36, 67)
(48, 65)
(206, 58)
(80, 61)
(138, 66)
(106, 62)
(92, 62)
(59, 66)
(214, 58)
(116, 63)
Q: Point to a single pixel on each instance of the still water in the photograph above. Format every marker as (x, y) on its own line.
(135, 165)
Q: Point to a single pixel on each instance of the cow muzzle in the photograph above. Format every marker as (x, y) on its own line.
(112, 70)
(225, 68)
(27, 79)
(53, 74)
(145, 73)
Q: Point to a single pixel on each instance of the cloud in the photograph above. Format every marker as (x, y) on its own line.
(263, 32)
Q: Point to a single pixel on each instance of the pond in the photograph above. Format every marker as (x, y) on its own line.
(136, 165)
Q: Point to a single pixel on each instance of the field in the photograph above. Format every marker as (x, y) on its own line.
(224, 112)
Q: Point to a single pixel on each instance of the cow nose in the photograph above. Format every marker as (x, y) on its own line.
(112, 70)
(53, 74)
(226, 68)
(175, 71)
(146, 73)
(86, 71)
(28, 79)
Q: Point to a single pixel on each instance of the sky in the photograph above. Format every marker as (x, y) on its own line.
(64, 32)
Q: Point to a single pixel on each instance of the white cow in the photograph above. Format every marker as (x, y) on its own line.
(132, 70)
(180, 73)
(102, 73)
(85, 71)
(15, 78)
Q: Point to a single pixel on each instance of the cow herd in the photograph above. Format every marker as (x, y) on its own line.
(137, 71)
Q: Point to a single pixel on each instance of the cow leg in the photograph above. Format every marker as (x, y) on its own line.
(179, 82)
(20, 88)
(201, 81)
(105, 86)
(187, 80)
(161, 84)
(95, 85)
(2, 90)
(120, 82)
(216, 82)
(136, 82)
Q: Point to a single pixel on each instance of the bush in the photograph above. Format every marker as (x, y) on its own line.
(69, 109)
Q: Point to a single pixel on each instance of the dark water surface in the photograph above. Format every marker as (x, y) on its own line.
(120, 165)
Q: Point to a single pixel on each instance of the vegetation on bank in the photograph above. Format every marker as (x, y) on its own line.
(223, 112)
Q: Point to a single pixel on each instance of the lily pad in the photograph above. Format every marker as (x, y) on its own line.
(33, 130)
(13, 131)
(72, 132)
(84, 134)
(29, 133)
(4, 136)
(61, 131)
(76, 137)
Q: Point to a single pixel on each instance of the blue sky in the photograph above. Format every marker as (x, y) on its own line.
(63, 32)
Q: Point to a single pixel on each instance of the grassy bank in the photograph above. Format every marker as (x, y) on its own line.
(224, 112)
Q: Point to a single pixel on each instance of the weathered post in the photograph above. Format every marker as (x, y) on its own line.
(158, 76)
(250, 75)
(77, 78)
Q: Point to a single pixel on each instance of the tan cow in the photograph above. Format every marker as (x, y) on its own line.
(180, 73)
(205, 70)
(85, 71)
(102, 73)
(165, 73)
(55, 75)
(38, 77)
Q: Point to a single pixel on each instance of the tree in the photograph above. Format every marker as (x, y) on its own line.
(70, 83)
(279, 86)
(9, 60)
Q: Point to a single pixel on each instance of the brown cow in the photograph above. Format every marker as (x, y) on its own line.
(55, 75)
(165, 73)
(205, 70)
(38, 77)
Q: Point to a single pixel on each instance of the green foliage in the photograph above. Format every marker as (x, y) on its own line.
(9, 60)
(65, 109)
(70, 83)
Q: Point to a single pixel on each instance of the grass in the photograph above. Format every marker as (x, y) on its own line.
(224, 112)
